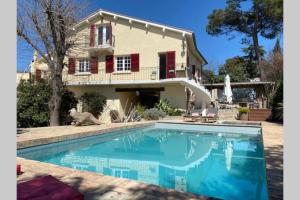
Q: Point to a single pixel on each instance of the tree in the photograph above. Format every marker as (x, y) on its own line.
(210, 77)
(272, 67)
(236, 67)
(264, 18)
(46, 25)
(272, 70)
(250, 62)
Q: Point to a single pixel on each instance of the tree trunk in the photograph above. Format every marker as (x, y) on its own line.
(255, 37)
(55, 100)
(256, 47)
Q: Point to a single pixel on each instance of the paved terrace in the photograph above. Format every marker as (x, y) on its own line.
(97, 186)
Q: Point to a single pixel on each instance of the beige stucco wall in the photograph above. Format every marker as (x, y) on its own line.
(175, 94)
(193, 60)
(129, 39)
(117, 100)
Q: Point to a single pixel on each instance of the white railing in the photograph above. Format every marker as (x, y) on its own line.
(149, 73)
(144, 73)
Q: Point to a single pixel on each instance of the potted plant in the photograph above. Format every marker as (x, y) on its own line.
(243, 113)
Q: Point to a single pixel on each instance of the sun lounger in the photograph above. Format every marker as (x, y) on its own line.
(193, 116)
(211, 115)
(46, 188)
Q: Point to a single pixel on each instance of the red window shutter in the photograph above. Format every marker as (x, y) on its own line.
(135, 62)
(38, 74)
(109, 63)
(170, 65)
(94, 65)
(71, 68)
(92, 35)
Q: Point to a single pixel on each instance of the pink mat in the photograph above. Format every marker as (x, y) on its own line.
(46, 188)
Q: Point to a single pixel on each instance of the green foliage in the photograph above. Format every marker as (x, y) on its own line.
(277, 112)
(210, 77)
(249, 60)
(236, 68)
(32, 104)
(164, 106)
(68, 101)
(277, 102)
(153, 114)
(93, 103)
(140, 110)
(244, 110)
(264, 18)
(233, 18)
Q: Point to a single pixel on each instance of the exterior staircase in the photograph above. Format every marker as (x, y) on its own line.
(228, 114)
(202, 94)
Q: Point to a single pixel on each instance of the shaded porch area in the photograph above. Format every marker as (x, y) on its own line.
(258, 99)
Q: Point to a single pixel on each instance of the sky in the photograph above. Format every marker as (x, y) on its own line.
(186, 14)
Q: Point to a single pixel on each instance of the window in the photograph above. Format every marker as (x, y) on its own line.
(84, 65)
(104, 33)
(123, 63)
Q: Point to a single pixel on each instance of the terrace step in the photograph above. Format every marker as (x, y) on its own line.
(228, 114)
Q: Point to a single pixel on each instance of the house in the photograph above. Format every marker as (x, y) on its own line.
(130, 61)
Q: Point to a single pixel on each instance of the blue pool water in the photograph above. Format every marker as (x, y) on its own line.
(224, 162)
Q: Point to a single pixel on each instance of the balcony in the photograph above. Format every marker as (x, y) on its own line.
(145, 74)
(106, 45)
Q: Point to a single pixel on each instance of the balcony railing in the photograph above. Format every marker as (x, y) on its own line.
(149, 73)
(108, 44)
(144, 74)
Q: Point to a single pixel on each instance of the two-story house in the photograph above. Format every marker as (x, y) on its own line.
(130, 61)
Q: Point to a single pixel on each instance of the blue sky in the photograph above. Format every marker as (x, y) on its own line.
(187, 14)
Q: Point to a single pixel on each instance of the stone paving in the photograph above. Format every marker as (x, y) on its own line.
(96, 186)
(44, 135)
(273, 145)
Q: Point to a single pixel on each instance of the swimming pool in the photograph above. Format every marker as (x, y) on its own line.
(220, 161)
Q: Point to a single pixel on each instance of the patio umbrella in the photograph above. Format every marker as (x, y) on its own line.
(227, 89)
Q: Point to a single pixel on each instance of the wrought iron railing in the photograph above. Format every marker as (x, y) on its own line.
(144, 73)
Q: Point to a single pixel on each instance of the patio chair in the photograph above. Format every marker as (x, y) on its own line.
(47, 188)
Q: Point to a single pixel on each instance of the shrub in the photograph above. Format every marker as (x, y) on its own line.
(277, 103)
(68, 101)
(244, 110)
(277, 112)
(32, 104)
(93, 103)
(153, 114)
(164, 106)
(140, 110)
